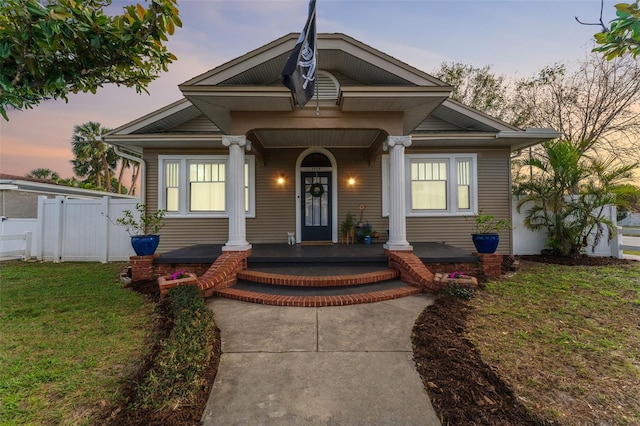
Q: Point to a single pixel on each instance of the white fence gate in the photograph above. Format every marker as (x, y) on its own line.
(82, 230)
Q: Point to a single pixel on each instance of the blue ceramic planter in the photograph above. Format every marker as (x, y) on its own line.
(145, 245)
(486, 243)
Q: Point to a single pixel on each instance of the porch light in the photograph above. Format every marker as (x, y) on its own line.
(280, 180)
(351, 181)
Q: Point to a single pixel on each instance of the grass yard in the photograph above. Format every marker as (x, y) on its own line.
(567, 339)
(70, 335)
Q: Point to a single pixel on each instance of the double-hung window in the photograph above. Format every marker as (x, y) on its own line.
(196, 186)
(436, 184)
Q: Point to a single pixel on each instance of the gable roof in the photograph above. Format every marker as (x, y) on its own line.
(355, 59)
(369, 82)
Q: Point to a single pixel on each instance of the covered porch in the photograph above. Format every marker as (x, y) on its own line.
(313, 275)
(329, 254)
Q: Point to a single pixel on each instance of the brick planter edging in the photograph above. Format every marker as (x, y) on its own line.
(442, 279)
(412, 270)
(165, 283)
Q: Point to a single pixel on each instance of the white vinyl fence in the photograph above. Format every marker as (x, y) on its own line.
(85, 230)
(630, 238)
(82, 230)
(526, 241)
(16, 238)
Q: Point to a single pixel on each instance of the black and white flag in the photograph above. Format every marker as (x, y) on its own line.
(299, 72)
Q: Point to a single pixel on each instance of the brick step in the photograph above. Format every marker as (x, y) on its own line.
(312, 280)
(317, 296)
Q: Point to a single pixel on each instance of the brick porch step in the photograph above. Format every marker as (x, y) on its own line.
(317, 280)
(317, 296)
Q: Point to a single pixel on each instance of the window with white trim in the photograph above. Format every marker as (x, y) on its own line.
(196, 185)
(436, 184)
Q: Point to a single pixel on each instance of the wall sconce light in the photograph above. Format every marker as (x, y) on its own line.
(280, 180)
(351, 181)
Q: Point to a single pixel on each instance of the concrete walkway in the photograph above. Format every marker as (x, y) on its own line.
(349, 365)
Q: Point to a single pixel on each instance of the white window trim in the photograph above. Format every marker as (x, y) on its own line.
(183, 211)
(452, 185)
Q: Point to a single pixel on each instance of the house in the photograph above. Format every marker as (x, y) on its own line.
(19, 195)
(236, 162)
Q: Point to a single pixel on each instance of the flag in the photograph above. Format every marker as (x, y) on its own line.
(299, 72)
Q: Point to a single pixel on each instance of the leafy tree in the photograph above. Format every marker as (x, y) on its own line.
(627, 199)
(567, 194)
(53, 48)
(622, 36)
(479, 88)
(94, 159)
(44, 173)
(595, 107)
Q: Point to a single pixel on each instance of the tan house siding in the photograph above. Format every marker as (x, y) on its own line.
(276, 208)
(183, 232)
(493, 198)
(366, 191)
(275, 205)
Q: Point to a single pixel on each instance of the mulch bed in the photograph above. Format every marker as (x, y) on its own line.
(183, 416)
(462, 388)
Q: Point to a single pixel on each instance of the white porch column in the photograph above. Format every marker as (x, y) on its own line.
(235, 193)
(397, 210)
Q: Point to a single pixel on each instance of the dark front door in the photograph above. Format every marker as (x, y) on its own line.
(316, 206)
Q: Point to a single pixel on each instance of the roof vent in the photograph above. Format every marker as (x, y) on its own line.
(327, 86)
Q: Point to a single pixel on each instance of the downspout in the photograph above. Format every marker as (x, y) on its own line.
(143, 167)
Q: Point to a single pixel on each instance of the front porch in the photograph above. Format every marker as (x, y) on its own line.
(315, 275)
(431, 254)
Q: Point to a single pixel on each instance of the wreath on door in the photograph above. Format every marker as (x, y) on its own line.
(316, 190)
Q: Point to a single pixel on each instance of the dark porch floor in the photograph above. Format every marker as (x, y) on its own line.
(335, 253)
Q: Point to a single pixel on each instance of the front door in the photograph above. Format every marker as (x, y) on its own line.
(316, 206)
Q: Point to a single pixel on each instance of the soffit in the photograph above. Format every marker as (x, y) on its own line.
(336, 52)
(327, 138)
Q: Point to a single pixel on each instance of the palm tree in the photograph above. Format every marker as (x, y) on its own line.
(44, 173)
(125, 164)
(94, 159)
(567, 192)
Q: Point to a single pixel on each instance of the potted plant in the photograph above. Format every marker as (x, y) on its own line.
(346, 228)
(143, 230)
(485, 235)
(366, 231)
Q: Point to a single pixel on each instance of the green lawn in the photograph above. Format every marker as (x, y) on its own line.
(70, 335)
(566, 339)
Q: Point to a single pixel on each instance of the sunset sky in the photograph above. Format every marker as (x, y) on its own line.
(516, 38)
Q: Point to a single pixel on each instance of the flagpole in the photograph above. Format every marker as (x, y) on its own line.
(300, 69)
(315, 77)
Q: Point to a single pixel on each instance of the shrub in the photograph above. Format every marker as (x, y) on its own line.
(453, 289)
(178, 371)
